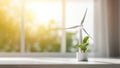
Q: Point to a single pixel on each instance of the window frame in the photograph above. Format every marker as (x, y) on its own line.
(63, 41)
(23, 53)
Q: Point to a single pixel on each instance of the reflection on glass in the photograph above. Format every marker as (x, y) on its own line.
(42, 20)
(10, 16)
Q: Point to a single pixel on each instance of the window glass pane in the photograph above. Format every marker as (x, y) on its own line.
(42, 20)
(75, 10)
(10, 21)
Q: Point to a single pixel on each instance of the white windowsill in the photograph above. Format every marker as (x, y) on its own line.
(19, 62)
(53, 61)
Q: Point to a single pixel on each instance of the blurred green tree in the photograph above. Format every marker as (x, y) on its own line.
(9, 27)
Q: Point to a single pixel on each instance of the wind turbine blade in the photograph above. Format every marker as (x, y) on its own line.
(73, 27)
(84, 17)
(87, 33)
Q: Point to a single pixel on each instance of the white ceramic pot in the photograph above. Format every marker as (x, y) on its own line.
(81, 56)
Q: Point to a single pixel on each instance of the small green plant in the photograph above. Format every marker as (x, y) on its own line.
(84, 45)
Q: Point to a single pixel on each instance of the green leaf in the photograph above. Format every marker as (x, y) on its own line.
(85, 40)
(86, 44)
(83, 48)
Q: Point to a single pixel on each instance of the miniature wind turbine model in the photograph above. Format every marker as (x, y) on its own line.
(81, 27)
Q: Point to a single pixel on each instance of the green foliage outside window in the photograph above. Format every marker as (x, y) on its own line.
(44, 39)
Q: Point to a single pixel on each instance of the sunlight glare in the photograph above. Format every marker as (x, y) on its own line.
(44, 11)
